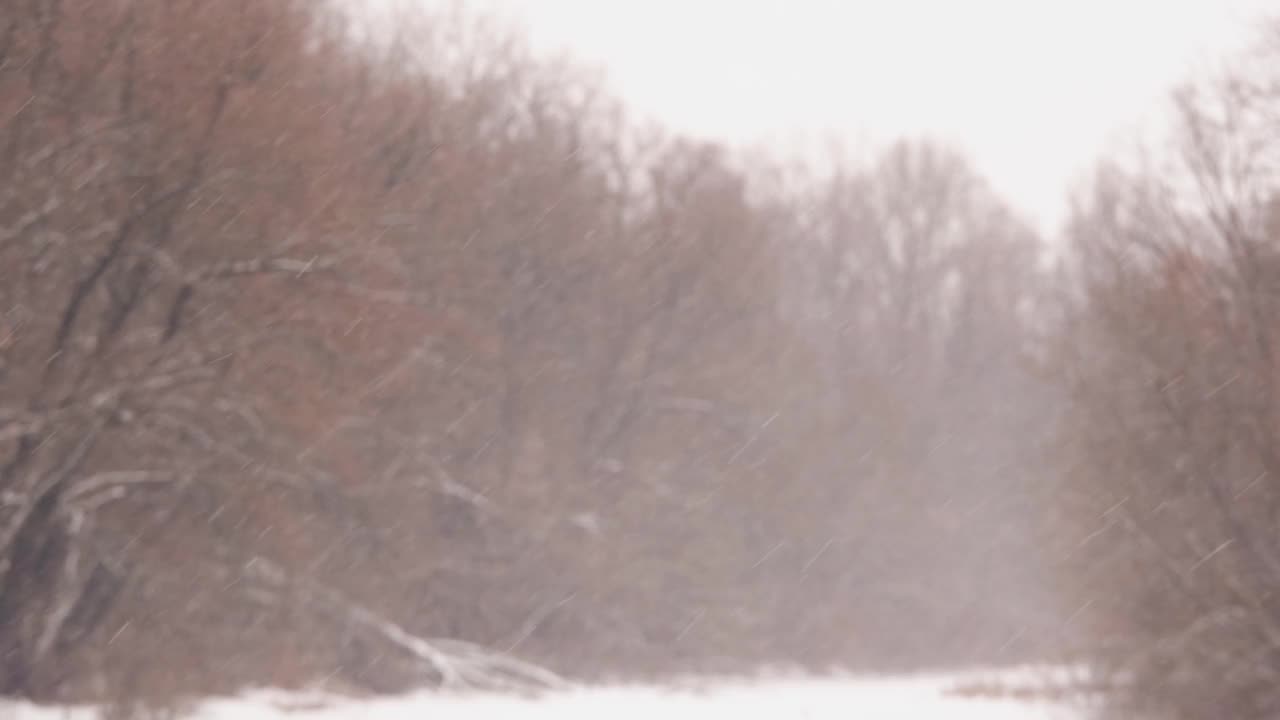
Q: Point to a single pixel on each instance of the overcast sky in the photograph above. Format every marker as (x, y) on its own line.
(1032, 90)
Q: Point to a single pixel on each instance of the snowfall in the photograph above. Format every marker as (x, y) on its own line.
(924, 697)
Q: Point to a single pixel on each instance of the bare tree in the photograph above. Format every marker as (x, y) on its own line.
(173, 180)
(1170, 356)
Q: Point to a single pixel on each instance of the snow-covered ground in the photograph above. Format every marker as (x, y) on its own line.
(913, 698)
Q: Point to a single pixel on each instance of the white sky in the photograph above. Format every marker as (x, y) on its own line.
(1032, 90)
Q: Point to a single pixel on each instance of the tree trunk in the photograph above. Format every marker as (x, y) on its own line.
(30, 584)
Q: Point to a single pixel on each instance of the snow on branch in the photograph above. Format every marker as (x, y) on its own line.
(257, 266)
(457, 665)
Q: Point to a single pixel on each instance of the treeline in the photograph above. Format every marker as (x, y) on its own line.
(1167, 344)
(379, 360)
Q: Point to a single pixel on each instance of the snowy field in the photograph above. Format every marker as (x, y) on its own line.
(914, 698)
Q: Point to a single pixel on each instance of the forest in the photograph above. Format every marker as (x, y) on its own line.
(397, 359)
